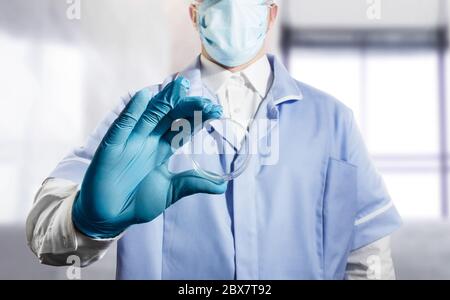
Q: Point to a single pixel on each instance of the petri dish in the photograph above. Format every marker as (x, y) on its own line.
(220, 150)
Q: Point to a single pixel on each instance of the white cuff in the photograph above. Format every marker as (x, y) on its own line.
(373, 261)
(50, 232)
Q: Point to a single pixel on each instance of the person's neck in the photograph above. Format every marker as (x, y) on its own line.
(238, 68)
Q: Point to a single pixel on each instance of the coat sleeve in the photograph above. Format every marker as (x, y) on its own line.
(376, 215)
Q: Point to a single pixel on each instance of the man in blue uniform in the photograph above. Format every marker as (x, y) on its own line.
(318, 211)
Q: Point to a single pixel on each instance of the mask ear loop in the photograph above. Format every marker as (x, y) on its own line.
(270, 4)
(195, 4)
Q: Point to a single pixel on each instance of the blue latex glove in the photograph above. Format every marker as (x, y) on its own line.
(128, 181)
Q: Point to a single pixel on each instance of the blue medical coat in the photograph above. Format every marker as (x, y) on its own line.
(296, 217)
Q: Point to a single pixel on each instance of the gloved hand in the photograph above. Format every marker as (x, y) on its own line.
(128, 181)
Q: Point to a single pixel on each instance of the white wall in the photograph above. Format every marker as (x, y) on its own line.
(124, 47)
(59, 77)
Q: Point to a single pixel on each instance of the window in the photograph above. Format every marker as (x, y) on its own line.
(394, 95)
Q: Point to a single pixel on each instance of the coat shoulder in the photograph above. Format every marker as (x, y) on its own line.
(322, 99)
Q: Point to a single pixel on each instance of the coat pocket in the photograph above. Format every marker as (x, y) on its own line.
(339, 213)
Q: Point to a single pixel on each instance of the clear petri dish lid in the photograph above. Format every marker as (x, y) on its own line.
(220, 150)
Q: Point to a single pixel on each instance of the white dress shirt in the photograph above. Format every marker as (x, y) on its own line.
(240, 93)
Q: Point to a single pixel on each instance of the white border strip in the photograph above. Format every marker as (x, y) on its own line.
(374, 214)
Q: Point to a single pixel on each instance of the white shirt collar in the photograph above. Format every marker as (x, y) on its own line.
(259, 74)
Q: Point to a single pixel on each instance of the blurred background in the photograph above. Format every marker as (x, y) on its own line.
(64, 64)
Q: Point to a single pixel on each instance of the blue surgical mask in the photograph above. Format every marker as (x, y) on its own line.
(233, 31)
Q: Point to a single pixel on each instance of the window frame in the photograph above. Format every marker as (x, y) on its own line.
(398, 39)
